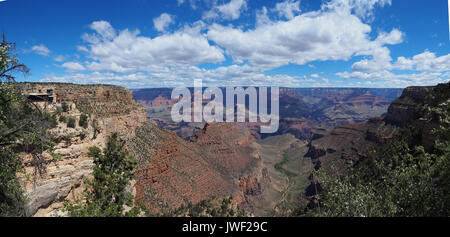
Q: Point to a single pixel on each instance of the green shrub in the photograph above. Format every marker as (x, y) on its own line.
(83, 121)
(51, 119)
(62, 119)
(106, 194)
(22, 128)
(59, 110)
(65, 107)
(71, 122)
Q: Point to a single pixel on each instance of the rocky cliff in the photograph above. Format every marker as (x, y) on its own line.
(218, 161)
(349, 143)
(112, 108)
(405, 108)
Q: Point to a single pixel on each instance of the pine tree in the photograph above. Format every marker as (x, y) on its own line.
(106, 195)
(23, 128)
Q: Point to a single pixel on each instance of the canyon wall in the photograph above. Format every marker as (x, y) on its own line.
(114, 110)
(349, 143)
(217, 162)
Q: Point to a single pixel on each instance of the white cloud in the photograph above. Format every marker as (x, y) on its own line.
(381, 58)
(386, 78)
(426, 61)
(308, 37)
(429, 70)
(287, 8)
(228, 11)
(362, 8)
(73, 66)
(41, 50)
(60, 58)
(104, 30)
(163, 21)
(232, 10)
(99, 78)
(233, 75)
(82, 48)
(129, 52)
(393, 37)
(125, 57)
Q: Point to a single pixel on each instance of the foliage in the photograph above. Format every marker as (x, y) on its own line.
(225, 207)
(279, 165)
(83, 121)
(96, 128)
(51, 119)
(401, 178)
(62, 119)
(9, 63)
(71, 122)
(65, 107)
(22, 128)
(106, 195)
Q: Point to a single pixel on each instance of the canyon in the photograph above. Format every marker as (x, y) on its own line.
(181, 163)
(302, 110)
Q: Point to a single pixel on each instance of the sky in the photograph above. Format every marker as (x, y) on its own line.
(287, 43)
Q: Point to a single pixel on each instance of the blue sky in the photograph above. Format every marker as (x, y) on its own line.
(306, 43)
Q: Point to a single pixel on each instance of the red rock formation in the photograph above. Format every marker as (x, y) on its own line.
(218, 162)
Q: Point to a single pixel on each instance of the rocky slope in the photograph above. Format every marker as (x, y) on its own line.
(219, 161)
(114, 110)
(349, 143)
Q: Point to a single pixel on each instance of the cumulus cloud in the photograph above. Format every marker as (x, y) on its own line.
(232, 10)
(233, 75)
(361, 8)
(40, 49)
(385, 78)
(129, 52)
(262, 17)
(427, 69)
(82, 48)
(163, 21)
(312, 36)
(287, 8)
(104, 32)
(282, 35)
(60, 58)
(426, 61)
(393, 37)
(128, 80)
(73, 66)
(381, 58)
(228, 11)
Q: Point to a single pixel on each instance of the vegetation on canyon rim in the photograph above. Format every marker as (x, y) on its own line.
(106, 195)
(22, 128)
(400, 178)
